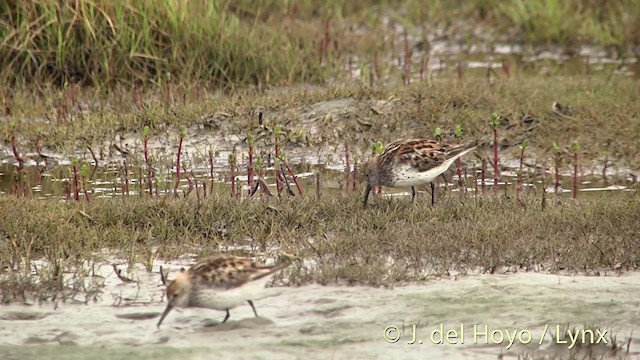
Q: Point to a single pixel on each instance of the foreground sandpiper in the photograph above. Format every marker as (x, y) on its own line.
(222, 283)
(411, 163)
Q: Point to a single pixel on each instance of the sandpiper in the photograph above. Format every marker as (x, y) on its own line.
(411, 163)
(222, 283)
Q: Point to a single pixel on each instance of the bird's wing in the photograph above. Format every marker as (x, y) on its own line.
(421, 154)
(227, 272)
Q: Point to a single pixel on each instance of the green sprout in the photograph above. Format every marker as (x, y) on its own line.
(458, 131)
(555, 147)
(183, 131)
(258, 164)
(146, 131)
(575, 147)
(250, 140)
(277, 130)
(232, 157)
(84, 170)
(282, 157)
(495, 120)
(524, 144)
(377, 148)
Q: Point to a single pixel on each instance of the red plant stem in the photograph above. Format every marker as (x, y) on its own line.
(76, 184)
(195, 184)
(483, 173)
(232, 170)
(407, 59)
(278, 173)
(326, 40)
(376, 66)
(355, 176)
(210, 171)
(544, 191)
(557, 174)
(475, 181)
(575, 175)
(295, 178)
(39, 152)
(175, 188)
(318, 185)
(139, 182)
(95, 160)
(20, 160)
(189, 181)
(149, 170)
(38, 147)
(505, 68)
(84, 189)
(464, 187)
(126, 178)
(250, 170)
(459, 170)
(604, 170)
(519, 186)
(347, 167)
(496, 170)
(16, 154)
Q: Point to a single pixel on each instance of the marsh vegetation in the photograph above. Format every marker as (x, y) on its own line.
(134, 133)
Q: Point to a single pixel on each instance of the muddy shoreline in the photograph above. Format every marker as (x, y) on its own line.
(340, 322)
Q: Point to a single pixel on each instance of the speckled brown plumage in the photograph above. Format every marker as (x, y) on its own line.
(221, 282)
(226, 271)
(411, 162)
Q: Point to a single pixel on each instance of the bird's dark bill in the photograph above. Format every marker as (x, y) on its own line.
(165, 313)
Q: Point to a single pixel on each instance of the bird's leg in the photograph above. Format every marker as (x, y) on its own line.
(433, 194)
(413, 194)
(253, 307)
(226, 317)
(366, 194)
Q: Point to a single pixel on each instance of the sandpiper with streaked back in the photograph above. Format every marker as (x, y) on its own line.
(411, 163)
(222, 283)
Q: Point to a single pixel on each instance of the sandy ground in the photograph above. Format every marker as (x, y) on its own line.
(333, 322)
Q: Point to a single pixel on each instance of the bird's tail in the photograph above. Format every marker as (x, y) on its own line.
(270, 269)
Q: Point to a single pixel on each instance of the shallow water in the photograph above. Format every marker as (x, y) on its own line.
(339, 322)
(110, 180)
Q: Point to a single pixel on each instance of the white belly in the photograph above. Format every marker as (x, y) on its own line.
(228, 299)
(406, 176)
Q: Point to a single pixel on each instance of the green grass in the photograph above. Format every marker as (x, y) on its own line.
(104, 43)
